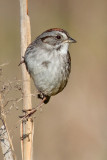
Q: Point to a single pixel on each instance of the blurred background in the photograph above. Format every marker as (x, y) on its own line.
(73, 125)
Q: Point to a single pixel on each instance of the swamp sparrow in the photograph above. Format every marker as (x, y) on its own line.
(48, 62)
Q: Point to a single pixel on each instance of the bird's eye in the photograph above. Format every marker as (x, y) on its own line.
(58, 37)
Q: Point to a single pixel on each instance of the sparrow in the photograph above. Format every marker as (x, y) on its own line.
(48, 62)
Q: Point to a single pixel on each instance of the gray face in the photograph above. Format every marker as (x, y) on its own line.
(55, 38)
(52, 39)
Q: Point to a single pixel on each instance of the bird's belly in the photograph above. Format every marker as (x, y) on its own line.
(50, 79)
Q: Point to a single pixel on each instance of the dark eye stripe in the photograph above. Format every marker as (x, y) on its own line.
(58, 37)
(45, 38)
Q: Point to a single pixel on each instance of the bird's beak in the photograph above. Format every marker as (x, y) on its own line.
(71, 40)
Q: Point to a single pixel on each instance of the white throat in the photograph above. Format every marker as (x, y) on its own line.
(64, 48)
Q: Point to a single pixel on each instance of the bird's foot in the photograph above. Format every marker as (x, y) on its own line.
(29, 112)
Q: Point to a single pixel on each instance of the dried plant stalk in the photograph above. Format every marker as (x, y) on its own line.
(6, 144)
(5, 140)
(27, 125)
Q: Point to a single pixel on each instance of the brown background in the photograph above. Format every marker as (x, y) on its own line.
(74, 123)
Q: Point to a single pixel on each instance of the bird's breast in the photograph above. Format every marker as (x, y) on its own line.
(50, 72)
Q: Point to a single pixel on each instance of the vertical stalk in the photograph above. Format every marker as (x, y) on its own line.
(5, 140)
(26, 125)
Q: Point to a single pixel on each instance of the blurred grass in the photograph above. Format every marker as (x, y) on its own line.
(74, 124)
